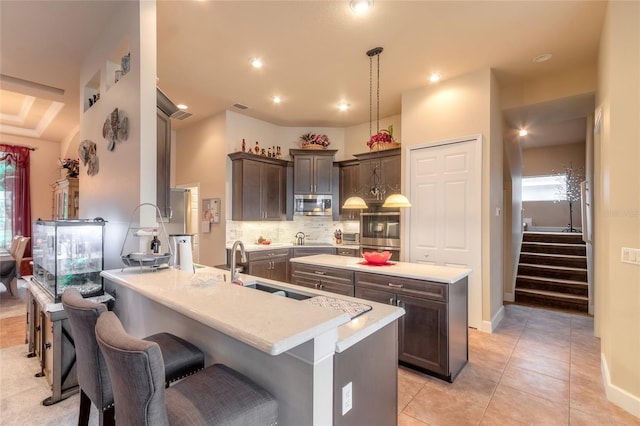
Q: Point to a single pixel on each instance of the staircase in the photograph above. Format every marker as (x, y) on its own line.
(552, 271)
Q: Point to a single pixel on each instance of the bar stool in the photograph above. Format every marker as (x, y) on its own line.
(181, 358)
(217, 395)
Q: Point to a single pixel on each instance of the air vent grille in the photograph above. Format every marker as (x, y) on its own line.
(181, 115)
(240, 106)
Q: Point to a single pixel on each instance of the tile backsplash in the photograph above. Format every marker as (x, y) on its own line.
(318, 229)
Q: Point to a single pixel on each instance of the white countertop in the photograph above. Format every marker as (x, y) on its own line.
(272, 324)
(258, 247)
(441, 274)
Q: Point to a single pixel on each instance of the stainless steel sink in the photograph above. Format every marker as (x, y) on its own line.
(279, 291)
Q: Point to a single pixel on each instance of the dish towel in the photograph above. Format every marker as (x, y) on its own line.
(354, 309)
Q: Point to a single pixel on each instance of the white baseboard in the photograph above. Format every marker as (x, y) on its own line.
(509, 297)
(490, 326)
(615, 395)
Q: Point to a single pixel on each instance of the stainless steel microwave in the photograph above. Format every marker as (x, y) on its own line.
(312, 205)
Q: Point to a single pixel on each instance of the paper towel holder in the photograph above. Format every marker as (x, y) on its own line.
(210, 212)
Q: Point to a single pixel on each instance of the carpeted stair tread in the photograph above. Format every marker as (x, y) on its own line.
(553, 237)
(553, 267)
(554, 294)
(553, 259)
(554, 280)
(554, 248)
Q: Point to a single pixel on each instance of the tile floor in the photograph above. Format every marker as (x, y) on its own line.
(540, 367)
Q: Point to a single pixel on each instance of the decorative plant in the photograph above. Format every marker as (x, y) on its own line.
(315, 139)
(383, 136)
(72, 165)
(570, 191)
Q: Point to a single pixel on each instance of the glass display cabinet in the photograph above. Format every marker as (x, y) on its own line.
(69, 253)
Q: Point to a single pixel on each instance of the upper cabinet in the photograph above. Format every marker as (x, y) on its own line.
(349, 187)
(312, 171)
(258, 187)
(382, 167)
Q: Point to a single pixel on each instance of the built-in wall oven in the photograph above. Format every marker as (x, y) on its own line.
(380, 231)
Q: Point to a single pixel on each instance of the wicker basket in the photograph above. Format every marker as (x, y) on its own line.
(378, 146)
(312, 146)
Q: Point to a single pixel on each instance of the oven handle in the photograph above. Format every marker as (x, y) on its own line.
(379, 248)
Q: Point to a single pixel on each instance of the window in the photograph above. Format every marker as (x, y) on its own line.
(544, 188)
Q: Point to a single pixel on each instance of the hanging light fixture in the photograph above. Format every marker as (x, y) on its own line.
(377, 187)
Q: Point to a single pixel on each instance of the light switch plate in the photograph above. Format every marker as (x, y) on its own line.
(630, 255)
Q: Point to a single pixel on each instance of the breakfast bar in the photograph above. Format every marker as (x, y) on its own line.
(304, 354)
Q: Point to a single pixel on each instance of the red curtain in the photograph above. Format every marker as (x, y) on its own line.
(17, 181)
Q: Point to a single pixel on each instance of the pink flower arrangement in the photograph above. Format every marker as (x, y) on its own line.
(383, 136)
(315, 139)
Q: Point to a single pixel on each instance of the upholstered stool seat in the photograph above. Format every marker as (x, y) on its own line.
(217, 395)
(182, 357)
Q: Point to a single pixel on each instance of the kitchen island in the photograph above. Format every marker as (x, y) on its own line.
(307, 356)
(433, 334)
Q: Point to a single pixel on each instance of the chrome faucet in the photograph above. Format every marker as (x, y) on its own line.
(235, 278)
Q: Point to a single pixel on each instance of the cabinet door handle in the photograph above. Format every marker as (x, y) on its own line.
(395, 285)
(399, 303)
(391, 301)
(321, 286)
(320, 273)
(47, 345)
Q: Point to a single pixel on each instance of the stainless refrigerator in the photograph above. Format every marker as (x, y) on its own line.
(178, 226)
(179, 220)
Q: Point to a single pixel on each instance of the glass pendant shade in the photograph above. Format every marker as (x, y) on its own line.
(354, 203)
(396, 200)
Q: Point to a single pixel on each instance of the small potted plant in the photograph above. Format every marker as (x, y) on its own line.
(72, 166)
(383, 140)
(314, 141)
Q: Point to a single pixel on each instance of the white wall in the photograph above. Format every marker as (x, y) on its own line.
(201, 156)
(127, 175)
(617, 203)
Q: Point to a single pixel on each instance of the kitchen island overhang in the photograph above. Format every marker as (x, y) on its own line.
(286, 346)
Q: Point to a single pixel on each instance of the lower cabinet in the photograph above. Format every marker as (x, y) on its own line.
(432, 335)
(270, 264)
(333, 280)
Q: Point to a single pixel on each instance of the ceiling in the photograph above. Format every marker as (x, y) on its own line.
(314, 55)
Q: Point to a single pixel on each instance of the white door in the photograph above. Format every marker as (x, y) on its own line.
(445, 188)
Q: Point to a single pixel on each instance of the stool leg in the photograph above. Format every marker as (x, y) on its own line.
(107, 417)
(85, 409)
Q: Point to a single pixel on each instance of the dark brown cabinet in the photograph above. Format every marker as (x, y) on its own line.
(349, 187)
(312, 173)
(432, 335)
(382, 167)
(334, 280)
(270, 264)
(258, 187)
(348, 251)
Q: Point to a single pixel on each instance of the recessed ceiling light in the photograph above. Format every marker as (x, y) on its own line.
(435, 77)
(343, 106)
(543, 57)
(256, 62)
(182, 106)
(523, 132)
(360, 6)
(276, 99)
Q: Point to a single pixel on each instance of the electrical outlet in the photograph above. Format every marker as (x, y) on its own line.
(347, 398)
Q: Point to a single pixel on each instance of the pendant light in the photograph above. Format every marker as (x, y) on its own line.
(378, 189)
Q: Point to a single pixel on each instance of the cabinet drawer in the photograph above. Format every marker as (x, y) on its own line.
(321, 283)
(404, 286)
(353, 252)
(339, 275)
(309, 251)
(267, 254)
